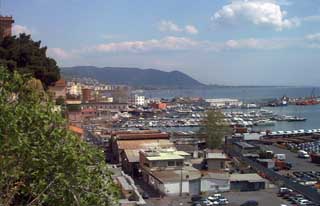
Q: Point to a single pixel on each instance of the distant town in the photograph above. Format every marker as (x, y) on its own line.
(159, 158)
(77, 140)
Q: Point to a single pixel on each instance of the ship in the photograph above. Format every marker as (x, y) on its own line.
(296, 119)
(312, 100)
(315, 157)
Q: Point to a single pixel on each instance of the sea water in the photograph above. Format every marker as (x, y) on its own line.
(253, 94)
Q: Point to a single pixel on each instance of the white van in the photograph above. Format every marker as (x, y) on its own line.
(303, 154)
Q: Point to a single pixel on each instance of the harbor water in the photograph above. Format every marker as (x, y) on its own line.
(251, 94)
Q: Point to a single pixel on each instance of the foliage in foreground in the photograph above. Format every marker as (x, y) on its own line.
(28, 57)
(214, 128)
(41, 162)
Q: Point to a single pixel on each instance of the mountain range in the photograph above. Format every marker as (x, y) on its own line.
(139, 78)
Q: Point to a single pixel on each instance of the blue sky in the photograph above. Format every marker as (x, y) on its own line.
(234, 42)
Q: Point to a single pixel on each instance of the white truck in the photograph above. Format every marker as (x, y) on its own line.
(303, 154)
(280, 156)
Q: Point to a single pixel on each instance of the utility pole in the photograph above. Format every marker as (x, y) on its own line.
(181, 182)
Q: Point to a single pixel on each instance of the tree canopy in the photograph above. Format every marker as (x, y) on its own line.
(214, 128)
(41, 161)
(27, 56)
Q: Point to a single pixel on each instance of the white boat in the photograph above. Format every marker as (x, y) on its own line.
(265, 123)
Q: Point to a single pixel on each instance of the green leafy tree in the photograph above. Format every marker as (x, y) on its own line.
(41, 162)
(214, 128)
(27, 56)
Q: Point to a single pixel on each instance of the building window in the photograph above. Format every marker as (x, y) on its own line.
(221, 164)
(179, 163)
(171, 163)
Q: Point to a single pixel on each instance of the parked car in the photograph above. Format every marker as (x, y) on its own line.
(145, 195)
(250, 203)
(214, 197)
(196, 198)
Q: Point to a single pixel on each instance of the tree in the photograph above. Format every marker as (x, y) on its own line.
(214, 128)
(28, 57)
(41, 162)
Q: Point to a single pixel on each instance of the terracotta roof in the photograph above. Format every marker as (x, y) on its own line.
(60, 83)
(76, 130)
(143, 144)
(88, 110)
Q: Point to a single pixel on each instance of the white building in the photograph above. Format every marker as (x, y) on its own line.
(139, 100)
(215, 182)
(165, 171)
(75, 89)
(224, 102)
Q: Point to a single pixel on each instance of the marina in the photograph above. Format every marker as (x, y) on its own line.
(273, 119)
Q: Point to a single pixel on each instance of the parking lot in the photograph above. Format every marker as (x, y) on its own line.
(266, 197)
(298, 164)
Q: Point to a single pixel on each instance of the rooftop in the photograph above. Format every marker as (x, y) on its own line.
(124, 183)
(244, 145)
(144, 144)
(216, 155)
(60, 83)
(188, 173)
(169, 154)
(252, 177)
(76, 130)
(132, 155)
(137, 136)
(216, 175)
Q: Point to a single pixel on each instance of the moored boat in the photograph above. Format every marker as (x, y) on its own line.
(265, 123)
(296, 119)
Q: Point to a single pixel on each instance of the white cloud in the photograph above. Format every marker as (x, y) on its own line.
(260, 44)
(284, 2)
(313, 40)
(256, 12)
(191, 29)
(169, 26)
(311, 18)
(59, 53)
(167, 43)
(19, 29)
(183, 44)
(313, 37)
